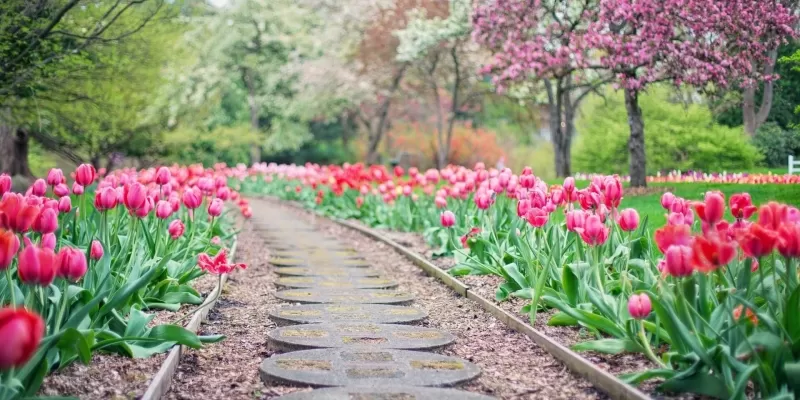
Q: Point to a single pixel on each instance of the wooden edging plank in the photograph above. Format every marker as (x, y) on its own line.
(163, 378)
(604, 380)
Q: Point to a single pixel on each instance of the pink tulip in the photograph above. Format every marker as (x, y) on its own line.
(85, 174)
(134, 196)
(447, 219)
(678, 261)
(49, 241)
(47, 221)
(39, 187)
(65, 204)
(163, 209)
(712, 209)
(9, 246)
(215, 208)
(667, 199)
(537, 217)
(613, 192)
(628, 220)
(105, 199)
(21, 330)
(639, 306)
(55, 177)
(71, 264)
(440, 202)
(61, 190)
(192, 199)
(5, 184)
(77, 188)
(96, 251)
(37, 265)
(224, 193)
(163, 176)
(144, 210)
(176, 229)
(575, 220)
(594, 232)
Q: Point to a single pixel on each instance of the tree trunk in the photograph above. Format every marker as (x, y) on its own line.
(255, 148)
(555, 100)
(754, 119)
(14, 147)
(376, 135)
(636, 146)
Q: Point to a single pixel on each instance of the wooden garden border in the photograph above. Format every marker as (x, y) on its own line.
(602, 379)
(163, 378)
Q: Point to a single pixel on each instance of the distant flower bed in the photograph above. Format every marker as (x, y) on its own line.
(718, 177)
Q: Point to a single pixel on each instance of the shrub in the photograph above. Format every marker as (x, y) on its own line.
(777, 144)
(677, 136)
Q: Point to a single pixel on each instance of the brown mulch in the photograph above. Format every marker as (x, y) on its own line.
(513, 367)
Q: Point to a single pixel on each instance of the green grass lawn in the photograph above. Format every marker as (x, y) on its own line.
(650, 205)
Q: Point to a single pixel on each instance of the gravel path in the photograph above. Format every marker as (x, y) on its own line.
(513, 367)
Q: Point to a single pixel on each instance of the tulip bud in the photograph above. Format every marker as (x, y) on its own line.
(447, 219)
(224, 193)
(215, 208)
(71, 264)
(47, 222)
(21, 330)
(135, 196)
(105, 199)
(49, 241)
(192, 198)
(639, 306)
(77, 188)
(96, 252)
(163, 176)
(216, 241)
(666, 200)
(145, 209)
(85, 174)
(575, 220)
(37, 266)
(537, 217)
(39, 187)
(176, 229)
(678, 261)
(61, 190)
(9, 245)
(55, 177)
(163, 209)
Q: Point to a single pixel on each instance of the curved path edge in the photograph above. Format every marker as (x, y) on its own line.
(605, 381)
(161, 381)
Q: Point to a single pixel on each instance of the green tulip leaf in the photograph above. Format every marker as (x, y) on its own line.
(609, 346)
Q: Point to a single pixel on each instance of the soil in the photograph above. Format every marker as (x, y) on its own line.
(513, 367)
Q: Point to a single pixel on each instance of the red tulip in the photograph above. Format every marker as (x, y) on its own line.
(537, 217)
(678, 261)
(47, 221)
(447, 219)
(9, 245)
(176, 229)
(398, 171)
(639, 306)
(757, 241)
(105, 199)
(21, 330)
(16, 214)
(472, 232)
(710, 252)
(55, 177)
(742, 206)
(39, 187)
(163, 176)
(215, 208)
(218, 264)
(96, 252)
(712, 209)
(594, 232)
(5, 184)
(85, 175)
(789, 240)
(628, 219)
(671, 235)
(37, 266)
(772, 215)
(71, 264)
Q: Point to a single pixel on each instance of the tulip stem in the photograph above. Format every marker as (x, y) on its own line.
(647, 350)
(61, 307)
(12, 289)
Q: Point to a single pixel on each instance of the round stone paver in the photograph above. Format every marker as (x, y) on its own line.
(351, 296)
(384, 393)
(317, 262)
(374, 313)
(345, 367)
(359, 335)
(342, 272)
(314, 254)
(335, 283)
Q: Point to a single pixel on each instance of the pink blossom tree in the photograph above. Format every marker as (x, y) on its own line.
(542, 40)
(686, 42)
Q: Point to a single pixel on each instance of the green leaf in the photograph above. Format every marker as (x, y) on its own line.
(162, 306)
(174, 333)
(137, 323)
(569, 281)
(127, 291)
(601, 323)
(792, 319)
(562, 319)
(701, 382)
(78, 315)
(517, 279)
(635, 378)
(211, 338)
(73, 342)
(609, 346)
(792, 371)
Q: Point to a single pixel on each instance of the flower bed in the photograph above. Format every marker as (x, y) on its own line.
(86, 267)
(710, 301)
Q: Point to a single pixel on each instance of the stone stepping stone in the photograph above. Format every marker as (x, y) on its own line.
(359, 335)
(341, 272)
(300, 262)
(315, 254)
(384, 393)
(291, 245)
(374, 313)
(345, 367)
(335, 283)
(351, 296)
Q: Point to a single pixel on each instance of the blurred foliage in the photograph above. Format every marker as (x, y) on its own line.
(777, 144)
(677, 136)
